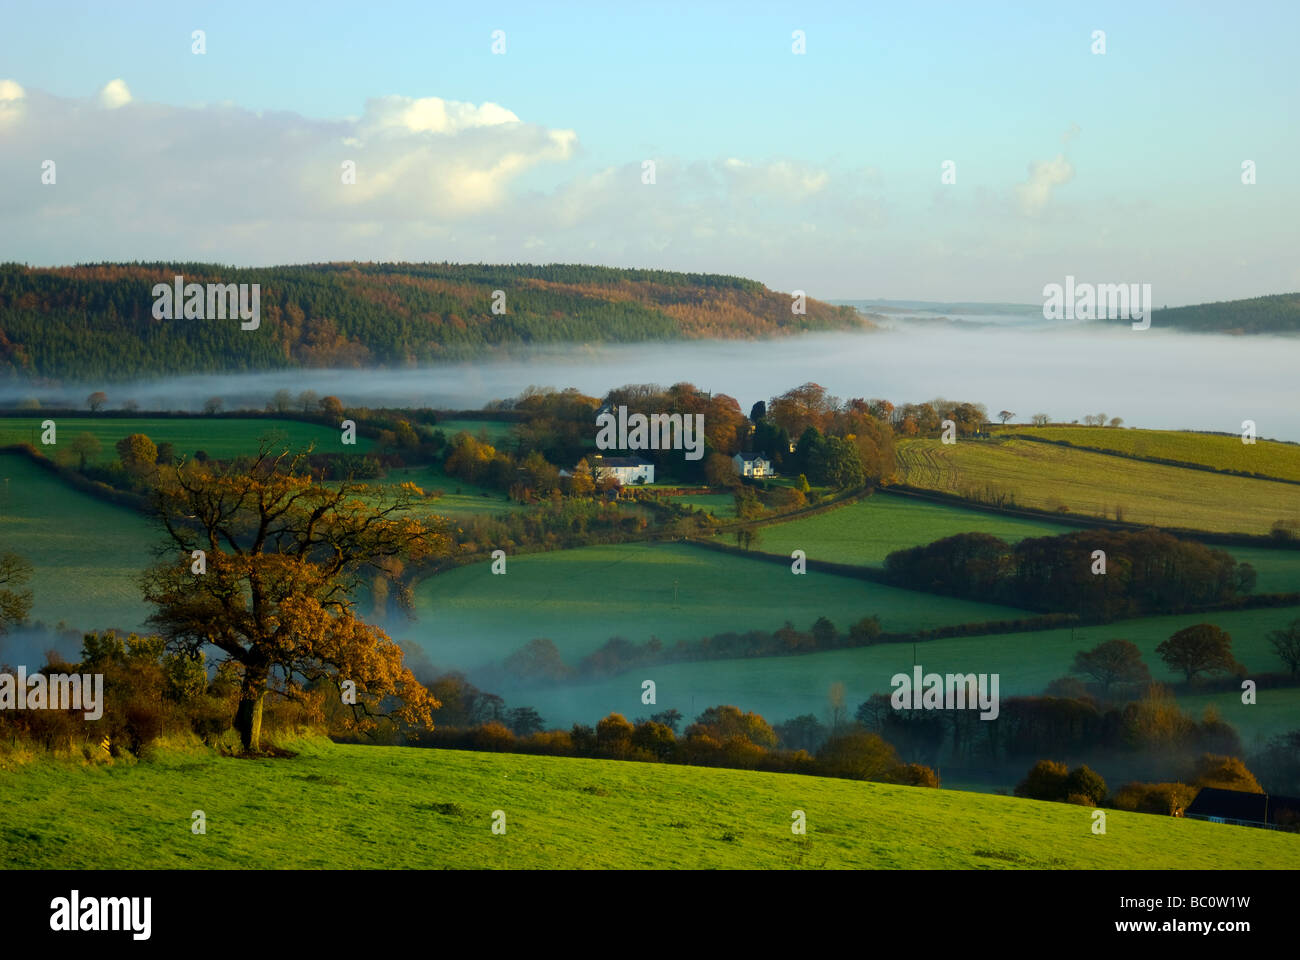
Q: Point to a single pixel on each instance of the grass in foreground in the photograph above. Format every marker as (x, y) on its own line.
(1047, 477)
(336, 806)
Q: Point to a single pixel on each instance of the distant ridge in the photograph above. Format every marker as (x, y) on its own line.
(96, 320)
(1277, 313)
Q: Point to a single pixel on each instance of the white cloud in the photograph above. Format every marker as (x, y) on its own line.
(1034, 194)
(434, 179)
(431, 115)
(11, 103)
(115, 94)
(775, 181)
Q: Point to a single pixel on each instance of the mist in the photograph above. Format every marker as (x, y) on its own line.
(1152, 378)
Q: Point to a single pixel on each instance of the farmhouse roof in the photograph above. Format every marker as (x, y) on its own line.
(753, 456)
(1239, 805)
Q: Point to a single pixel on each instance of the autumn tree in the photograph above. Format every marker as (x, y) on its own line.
(614, 735)
(1046, 780)
(582, 483)
(1203, 648)
(1005, 415)
(284, 559)
(15, 602)
(1040, 419)
(857, 756)
(656, 739)
(719, 471)
(332, 407)
(96, 401)
(1114, 661)
(1224, 773)
(725, 723)
(137, 452)
(212, 406)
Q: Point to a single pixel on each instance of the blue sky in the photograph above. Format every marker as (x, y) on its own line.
(819, 171)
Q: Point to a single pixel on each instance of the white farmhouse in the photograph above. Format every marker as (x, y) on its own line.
(752, 464)
(628, 470)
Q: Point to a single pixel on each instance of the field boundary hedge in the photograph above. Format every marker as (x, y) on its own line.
(119, 498)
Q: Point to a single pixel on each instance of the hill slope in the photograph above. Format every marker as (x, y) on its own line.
(97, 321)
(384, 807)
(1278, 313)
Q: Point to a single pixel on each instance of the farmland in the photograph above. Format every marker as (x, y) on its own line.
(865, 532)
(434, 808)
(219, 437)
(1264, 457)
(580, 598)
(783, 687)
(1048, 477)
(86, 554)
(459, 498)
(721, 505)
(496, 431)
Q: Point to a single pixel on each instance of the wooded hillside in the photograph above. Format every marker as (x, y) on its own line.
(96, 321)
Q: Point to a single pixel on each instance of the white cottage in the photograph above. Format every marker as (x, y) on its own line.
(628, 470)
(752, 464)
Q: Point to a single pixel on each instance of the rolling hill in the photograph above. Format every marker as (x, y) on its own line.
(1278, 313)
(96, 321)
(434, 808)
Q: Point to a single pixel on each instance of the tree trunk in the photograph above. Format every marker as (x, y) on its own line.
(248, 718)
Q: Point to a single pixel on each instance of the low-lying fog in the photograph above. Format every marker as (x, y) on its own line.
(1151, 378)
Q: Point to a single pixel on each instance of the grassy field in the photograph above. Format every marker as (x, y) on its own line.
(86, 553)
(1265, 457)
(580, 598)
(221, 437)
(721, 505)
(496, 431)
(460, 498)
(1047, 477)
(783, 687)
(865, 532)
(348, 807)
